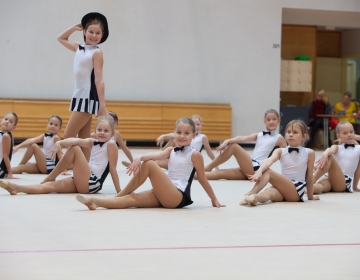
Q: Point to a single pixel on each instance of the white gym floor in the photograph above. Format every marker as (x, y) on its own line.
(53, 236)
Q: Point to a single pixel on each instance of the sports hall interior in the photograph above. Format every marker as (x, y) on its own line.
(164, 60)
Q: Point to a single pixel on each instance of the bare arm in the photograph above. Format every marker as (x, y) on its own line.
(325, 156)
(198, 162)
(310, 177)
(63, 37)
(98, 61)
(265, 165)
(162, 137)
(86, 143)
(356, 179)
(281, 142)
(6, 144)
(237, 139)
(135, 166)
(112, 151)
(122, 145)
(29, 142)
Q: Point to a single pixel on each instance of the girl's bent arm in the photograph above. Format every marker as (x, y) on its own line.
(123, 146)
(112, 152)
(265, 165)
(29, 142)
(237, 139)
(309, 176)
(325, 156)
(162, 137)
(63, 37)
(198, 162)
(98, 61)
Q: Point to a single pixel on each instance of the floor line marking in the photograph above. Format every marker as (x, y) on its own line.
(178, 248)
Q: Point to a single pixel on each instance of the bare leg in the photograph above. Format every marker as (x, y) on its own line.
(270, 194)
(81, 168)
(336, 178)
(282, 184)
(229, 174)
(164, 192)
(146, 199)
(322, 185)
(79, 125)
(40, 158)
(62, 186)
(163, 163)
(242, 158)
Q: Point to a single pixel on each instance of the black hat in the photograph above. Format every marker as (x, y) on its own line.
(101, 18)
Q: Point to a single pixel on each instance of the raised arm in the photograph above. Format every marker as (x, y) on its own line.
(29, 142)
(63, 37)
(112, 151)
(198, 162)
(237, 139)
(98, 61)
(122, 145)
(310, 177)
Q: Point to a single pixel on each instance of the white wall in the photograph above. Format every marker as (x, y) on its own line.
(159, 50)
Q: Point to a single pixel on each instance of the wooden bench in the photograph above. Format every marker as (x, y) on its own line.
(139, 121)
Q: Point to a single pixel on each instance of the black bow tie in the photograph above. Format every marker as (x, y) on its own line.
(81, 48)
(99, 143)
(267, 132)
(293, 149)
(179, 148)
(349, 145)
(48, 134)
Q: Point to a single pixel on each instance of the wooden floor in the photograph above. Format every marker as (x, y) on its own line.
(54, 237)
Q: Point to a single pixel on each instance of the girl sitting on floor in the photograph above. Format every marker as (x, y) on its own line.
(297, 164)
(168, 191)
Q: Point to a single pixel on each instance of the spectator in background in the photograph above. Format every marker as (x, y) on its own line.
(319, 106)
(346, 107)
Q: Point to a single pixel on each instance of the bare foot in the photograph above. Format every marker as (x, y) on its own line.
(86, 200)
(6, 185)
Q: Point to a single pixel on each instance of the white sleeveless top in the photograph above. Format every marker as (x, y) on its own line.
(180, 167)
(197, 143)
(48, 144)
(264, 145)
(294, 164)
(99, 159)
(348, 159)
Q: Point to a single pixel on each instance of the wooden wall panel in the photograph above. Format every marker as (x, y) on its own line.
(137, 121)
(299, 40)
(328, 44)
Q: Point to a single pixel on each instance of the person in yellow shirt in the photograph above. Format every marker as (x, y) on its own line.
(346, 107)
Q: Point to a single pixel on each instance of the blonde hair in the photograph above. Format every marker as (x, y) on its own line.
(188, 121)
(302, 126)
(106, 119)
(272, 111)
(340, 124)
(193, 117)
